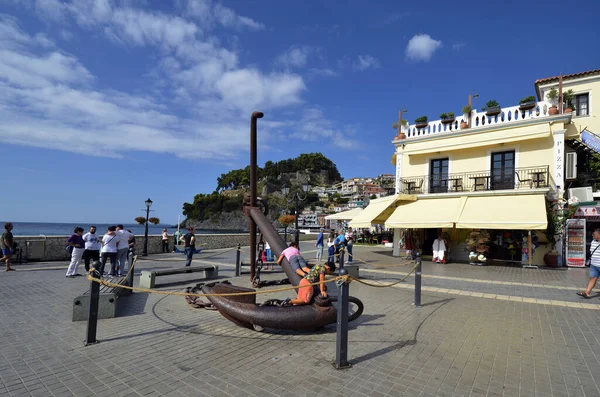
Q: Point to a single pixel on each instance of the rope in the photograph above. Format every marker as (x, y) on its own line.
(387, 285)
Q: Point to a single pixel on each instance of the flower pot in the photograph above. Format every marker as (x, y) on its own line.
(421, 125)
(463, 125)
(447, 121)
(552, 110)
(551, 259)
(401, 135)
(527, 106)
(493, 110)
(568, 110)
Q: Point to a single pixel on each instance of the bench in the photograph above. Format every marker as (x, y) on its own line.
(107, 304)
(148, 277)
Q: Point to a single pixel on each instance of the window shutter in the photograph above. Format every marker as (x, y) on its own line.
(571, 166)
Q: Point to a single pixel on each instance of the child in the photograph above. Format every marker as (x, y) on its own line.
(292, 254)
(306, 291)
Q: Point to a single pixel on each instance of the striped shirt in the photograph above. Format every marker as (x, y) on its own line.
(595, 253)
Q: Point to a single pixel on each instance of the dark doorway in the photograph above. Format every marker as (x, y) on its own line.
(503, 170)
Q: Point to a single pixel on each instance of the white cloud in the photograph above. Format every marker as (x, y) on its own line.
(421, 47)
(459, 46)
(209, 12)
(294, 57)
(314, 126)
(324, 72)
(365, 62)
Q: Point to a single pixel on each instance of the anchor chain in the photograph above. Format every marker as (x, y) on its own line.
(196, 301)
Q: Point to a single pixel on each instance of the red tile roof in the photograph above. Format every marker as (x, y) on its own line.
(567, 76)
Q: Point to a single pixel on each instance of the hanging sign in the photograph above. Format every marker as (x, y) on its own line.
(591, 140)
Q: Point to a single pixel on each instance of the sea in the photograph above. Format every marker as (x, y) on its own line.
(66, 229)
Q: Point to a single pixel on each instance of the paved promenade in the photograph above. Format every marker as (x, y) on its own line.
(483, 331)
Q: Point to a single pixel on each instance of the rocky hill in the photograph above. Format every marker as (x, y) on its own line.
(222, 209)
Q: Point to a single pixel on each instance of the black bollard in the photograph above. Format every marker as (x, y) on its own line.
(418, 280)
(342, 259)
(341, 340)
(238, 262)
(92, 323)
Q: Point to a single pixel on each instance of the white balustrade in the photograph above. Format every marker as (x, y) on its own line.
(478, 120)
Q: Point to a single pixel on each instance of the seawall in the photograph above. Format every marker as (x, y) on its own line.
(52, 248)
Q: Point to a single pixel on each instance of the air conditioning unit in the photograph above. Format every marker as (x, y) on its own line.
(571, 166)
(583, 194)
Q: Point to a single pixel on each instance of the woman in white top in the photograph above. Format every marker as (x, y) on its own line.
(165, 241)
(349, 236)
(109, 250)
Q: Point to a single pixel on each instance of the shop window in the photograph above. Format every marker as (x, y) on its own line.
(438, 176)
(571, 165)
(582, 104)
(503, 170)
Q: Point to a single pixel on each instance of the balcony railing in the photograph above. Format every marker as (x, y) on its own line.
(501, 179)
(478, 120)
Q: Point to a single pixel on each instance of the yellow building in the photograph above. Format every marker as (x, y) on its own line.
(487, 175)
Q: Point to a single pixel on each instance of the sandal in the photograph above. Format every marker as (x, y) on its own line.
(584, 295)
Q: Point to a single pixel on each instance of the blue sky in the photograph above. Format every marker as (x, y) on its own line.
(105, 103)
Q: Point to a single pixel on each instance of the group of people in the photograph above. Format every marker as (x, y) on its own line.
(117, 244)
(335, 243)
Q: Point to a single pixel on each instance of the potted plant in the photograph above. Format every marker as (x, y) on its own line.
(467, 109)
(421, 122)
(557, 216)
(552, 96)
(401, 135)
(492, 108)
(447, 118)
(527, 103)
(568, 97)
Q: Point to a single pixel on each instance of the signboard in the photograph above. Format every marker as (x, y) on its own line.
(591, 140)
(587, 212)
(308, 221)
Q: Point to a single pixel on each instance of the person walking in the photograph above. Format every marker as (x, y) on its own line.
(339, 244)
(331, 246)
(165, 241)
(7, 244)
(131, 248)
(109, 250)
(319, 245)
(92, 247)
(349, 237)
(190, 245)
(594, 265)
(77, 249)
(123, 237)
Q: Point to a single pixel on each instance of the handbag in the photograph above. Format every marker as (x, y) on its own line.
(588, 261)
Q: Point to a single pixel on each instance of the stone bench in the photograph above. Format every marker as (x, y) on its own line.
(107, 304)
(148, 277)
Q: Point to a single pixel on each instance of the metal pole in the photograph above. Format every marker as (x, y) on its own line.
(342, 259)
(238, 263)
(341, 340)
(145, 253)
(92, 323)
(296, 218)
(253, 189)
(418, 281)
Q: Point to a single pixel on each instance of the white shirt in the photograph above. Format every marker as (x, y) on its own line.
(267, 246)
(165, 236)
(595, 254)
(123, 237)
(110, 243)
(92, 242)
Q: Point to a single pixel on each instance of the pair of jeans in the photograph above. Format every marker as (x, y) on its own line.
(113, 262)
(122, 260)
(349, 251)
(189, 253)
(331, 254)
(319, 252)
(165, 246)
(90, 255)
(75, 260)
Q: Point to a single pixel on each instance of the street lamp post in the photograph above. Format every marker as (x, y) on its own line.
(148, 205)
(296, 198)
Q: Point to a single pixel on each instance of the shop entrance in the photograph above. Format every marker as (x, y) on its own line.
(430, 236)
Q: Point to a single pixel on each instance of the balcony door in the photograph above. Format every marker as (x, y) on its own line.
(438, 176)
(503, 170)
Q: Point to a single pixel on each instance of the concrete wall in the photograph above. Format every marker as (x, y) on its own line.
(52, 248)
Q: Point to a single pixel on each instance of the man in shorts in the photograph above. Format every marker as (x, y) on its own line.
(292, 254)
(306, 290)
(7, 245)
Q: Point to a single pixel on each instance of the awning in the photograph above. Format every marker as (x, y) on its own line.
(477, 140)
(378, 210)
(427, 213)
(344, 216)
(519, 212)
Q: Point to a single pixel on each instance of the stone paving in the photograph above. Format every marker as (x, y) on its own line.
(455, 345)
